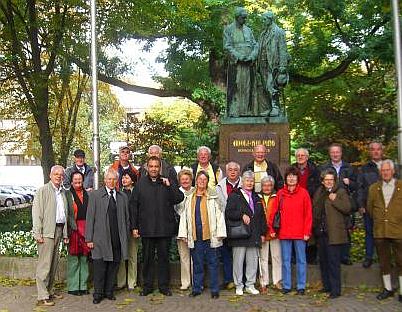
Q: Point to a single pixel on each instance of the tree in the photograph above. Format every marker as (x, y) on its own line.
(179, 128)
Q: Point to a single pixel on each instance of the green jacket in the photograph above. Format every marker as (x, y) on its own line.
(387, 220)
(44, 212)
(336, 211)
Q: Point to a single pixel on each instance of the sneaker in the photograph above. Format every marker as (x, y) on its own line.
(45, 303)
(239, 291)
(251, 290)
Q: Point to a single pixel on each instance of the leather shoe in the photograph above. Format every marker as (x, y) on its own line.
(111, 297)
(97, 300)
(194, 294)
(84, 292)
(385, 294)
(300, 292)
(45, 303)
(74, 292)
(146, 292)
(333, 296)
(165, 292)
(285, 291)
(214, 295)
(367, 263)
(400, 298)
(56, 296)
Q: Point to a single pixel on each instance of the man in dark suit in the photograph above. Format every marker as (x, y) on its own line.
(108, 243)
(153, 219)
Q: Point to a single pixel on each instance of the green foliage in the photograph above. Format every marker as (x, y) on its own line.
(179, 128)
(16, 220)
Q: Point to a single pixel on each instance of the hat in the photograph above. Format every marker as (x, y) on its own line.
(79, 153)
(123, 148)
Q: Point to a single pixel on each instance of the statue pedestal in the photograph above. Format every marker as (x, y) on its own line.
(237, 140)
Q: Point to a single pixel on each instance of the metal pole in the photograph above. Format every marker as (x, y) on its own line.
(94, 92)
(398, 67)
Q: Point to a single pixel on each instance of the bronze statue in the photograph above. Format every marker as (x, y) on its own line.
(242, 49)
(272, 71)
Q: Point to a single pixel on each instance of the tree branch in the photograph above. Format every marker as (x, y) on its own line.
(130, 87)
(340, 69)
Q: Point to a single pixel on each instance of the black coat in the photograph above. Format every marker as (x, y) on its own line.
(152, 208)
(272, 170)
(369, 174)
(236, 207)
(313, 180)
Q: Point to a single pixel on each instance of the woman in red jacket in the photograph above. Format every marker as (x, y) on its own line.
(294, 204)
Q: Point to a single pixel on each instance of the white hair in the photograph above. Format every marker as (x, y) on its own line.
(302, 149)
(112, 172)
(232, 163)
(248, 175)
(206, 148)
(56, 167)
(375, 142)
(267, 179)
(389, 162)
(152, 147)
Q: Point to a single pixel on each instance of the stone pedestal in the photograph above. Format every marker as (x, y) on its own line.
(236, 142)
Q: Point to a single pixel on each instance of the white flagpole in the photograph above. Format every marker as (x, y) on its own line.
(94, 92)
(398, 67)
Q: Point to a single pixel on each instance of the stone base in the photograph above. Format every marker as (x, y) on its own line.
(236, 142)
(352, 276)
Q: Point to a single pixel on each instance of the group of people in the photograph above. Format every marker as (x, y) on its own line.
(247, 220)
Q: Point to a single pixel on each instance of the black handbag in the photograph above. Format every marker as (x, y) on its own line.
(240, 230)
(276, 224)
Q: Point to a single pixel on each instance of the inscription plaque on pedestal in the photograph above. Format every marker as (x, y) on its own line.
(236, 143)
(241, 145)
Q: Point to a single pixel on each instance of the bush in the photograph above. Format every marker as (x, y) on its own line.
(16, 220)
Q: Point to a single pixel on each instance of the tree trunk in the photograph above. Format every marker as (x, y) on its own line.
(41, 116)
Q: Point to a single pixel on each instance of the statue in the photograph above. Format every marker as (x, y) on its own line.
(242, 49)
(272, 72)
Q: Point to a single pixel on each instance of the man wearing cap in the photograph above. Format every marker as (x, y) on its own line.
(123, 163)
(79, 166)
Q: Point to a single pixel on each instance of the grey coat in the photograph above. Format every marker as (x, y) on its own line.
(97, 226)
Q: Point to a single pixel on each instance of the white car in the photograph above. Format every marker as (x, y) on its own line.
(8, 198)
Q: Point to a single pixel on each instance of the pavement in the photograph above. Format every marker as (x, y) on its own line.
(16, 297)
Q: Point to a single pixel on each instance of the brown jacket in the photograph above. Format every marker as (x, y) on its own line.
(336, 211)
(387, 220)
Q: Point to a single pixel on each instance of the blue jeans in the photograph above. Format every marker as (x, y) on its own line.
(301, 267)
(226, 258)
(369, 239)
(200, 253)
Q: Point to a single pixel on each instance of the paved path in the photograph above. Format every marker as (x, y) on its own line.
(23, 298)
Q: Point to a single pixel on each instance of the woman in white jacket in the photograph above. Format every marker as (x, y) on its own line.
(202, 226)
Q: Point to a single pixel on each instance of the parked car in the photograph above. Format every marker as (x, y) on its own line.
(28, 195)
(8, 198)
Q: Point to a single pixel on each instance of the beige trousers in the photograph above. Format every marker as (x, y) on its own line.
(274, 246)
(185, 272)
(131, 270)
(48, 260)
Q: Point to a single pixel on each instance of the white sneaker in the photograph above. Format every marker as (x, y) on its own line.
(251, 290)
(239, 291)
